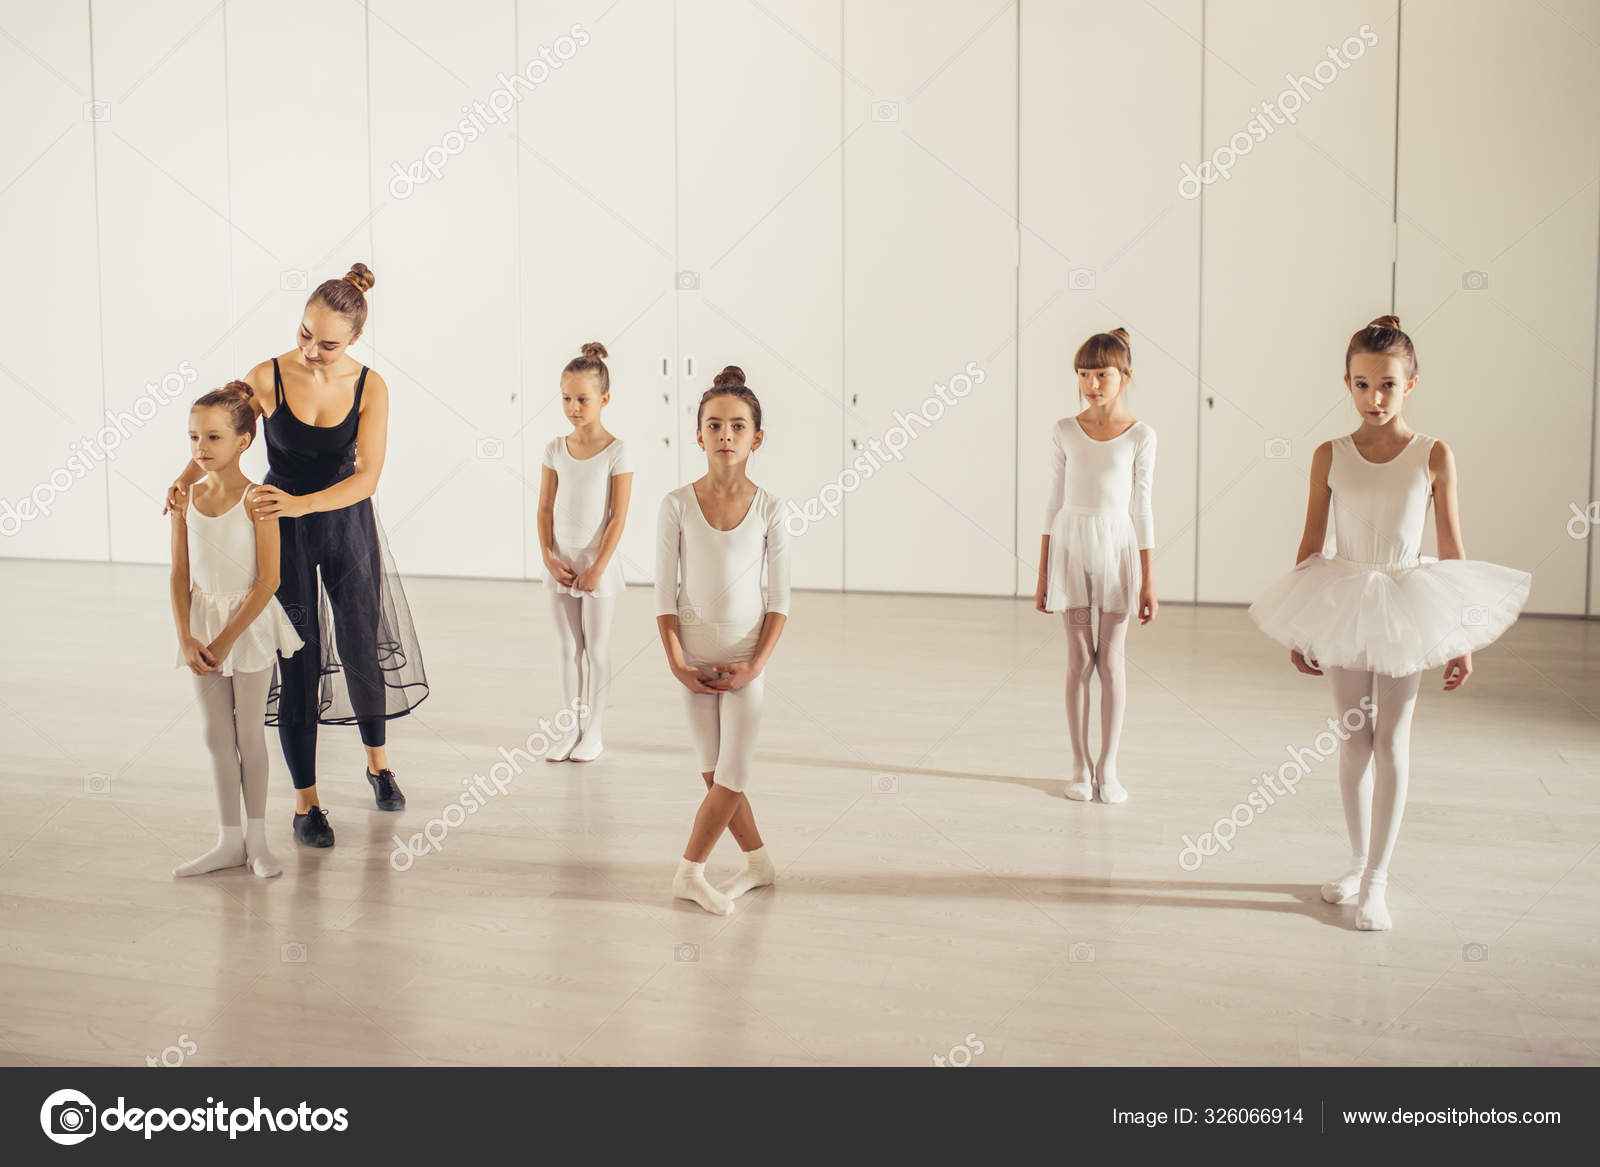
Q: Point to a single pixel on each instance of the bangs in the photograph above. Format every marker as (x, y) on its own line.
(1103, 351)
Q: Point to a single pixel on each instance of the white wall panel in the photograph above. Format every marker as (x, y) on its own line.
(1107, 240)
(52, 473)
(1298, 253)
(930, 289)
(1499, 201)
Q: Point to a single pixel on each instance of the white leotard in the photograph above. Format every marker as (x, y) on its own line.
(582, 510)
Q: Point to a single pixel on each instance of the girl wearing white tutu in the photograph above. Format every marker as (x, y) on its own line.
(1099, 533)
(583, 503)
(1376, 614)
(231, 627)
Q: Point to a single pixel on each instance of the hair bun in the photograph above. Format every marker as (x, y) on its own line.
(242, 388)
(596, 350)
(361, 276)
(730, 378)
(1386, 322)
(1120, 333)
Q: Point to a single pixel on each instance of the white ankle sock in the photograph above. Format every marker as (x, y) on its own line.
(1372, 913)
(229, 852)
(690, 883)
(1344, 889)
(758, 872)
(262, 861)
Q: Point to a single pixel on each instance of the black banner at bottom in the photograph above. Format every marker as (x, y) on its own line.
(324, 1115)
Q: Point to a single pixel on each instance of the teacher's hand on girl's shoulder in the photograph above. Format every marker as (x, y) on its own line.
(177, 499)
(268, 502)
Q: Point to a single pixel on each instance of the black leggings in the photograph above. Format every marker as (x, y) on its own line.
(344, 544)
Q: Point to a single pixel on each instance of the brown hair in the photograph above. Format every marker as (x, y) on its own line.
(235, 398)
(1106, 350)
(730, 383)
(347, 296)
(593, 361)
(1383, 338)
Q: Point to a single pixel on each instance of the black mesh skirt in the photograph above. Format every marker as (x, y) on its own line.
(361, 660)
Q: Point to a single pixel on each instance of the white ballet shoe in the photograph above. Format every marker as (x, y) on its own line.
(1081, 788)
(229, 852)
(1372, 912)
(562, 750)
(1111, 791)
(1344, 889)
(589, 747)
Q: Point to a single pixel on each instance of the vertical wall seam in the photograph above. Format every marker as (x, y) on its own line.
(100, 266)
(1200, 316)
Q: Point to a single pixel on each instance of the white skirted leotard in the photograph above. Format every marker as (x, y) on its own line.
(1099, 516)
(712, 581)
(582, 510)
(222, 570)
(1378, 604)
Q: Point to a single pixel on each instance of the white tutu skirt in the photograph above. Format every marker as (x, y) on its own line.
(579, 557)
(258, 646)
(1390, 620)
(1094, 562)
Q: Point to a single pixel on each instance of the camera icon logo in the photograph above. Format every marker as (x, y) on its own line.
(1278, 449)
(97, 783)
(97, 111)
(886, 784)
(491, 449)
(293, 952)
(296, 614)
(886, 111)
(1474, 616)
(1474, 281)
(68, 1117)
(1081, 279)
(686, 953)
(293, 280)
(1081, 953)
(688, 281)
(1475, 953)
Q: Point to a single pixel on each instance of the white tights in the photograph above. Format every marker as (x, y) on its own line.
(232, 710)
(1084, 660)
(583, 637)
(1374, 766)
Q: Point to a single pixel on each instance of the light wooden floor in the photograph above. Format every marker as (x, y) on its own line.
(934, 884)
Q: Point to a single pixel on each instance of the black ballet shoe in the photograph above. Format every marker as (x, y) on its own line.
(386, 790)
(312, 830)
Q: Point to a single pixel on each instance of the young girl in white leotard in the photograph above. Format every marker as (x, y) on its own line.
(583, 503)
(719, 627)
(230, 625)
(1378, 613)
(1099, 536)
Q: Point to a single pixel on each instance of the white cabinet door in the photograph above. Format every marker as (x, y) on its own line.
(1107, 240)
(447, 82)
(930, 257)
(597, 247)
(1298, 252)
(166, 237)
(1496, 270)
(297, 166)
(53, 464)
(759, 238)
